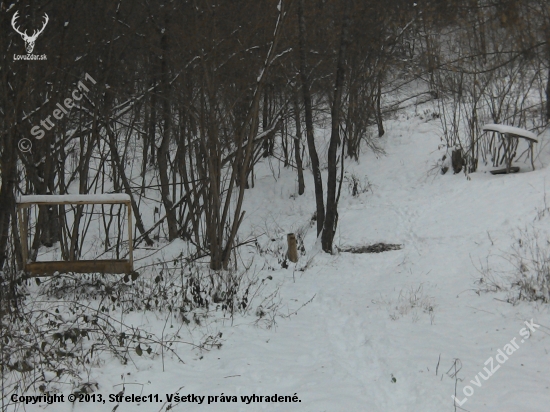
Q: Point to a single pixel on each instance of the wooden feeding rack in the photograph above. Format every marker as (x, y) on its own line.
(47, 268)
(508, 134)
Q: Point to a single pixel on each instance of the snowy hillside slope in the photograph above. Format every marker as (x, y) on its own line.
(371, 332)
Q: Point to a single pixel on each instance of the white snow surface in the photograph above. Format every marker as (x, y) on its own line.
(502, 128)
(368, 332)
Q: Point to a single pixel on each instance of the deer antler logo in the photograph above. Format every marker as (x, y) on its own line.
(29, 40)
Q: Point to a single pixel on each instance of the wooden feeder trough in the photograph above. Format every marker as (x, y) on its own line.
(510, 135)
(48, 268)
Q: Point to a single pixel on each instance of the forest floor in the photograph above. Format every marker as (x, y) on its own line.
(374, 332)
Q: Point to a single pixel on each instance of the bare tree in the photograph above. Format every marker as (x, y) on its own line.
(331, 218)
(310, 138)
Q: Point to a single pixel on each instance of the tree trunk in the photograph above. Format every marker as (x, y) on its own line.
(353, 137)
(150, 129)
(331, 218)
(163, 151)
(284, 144)
(297, 146)
(127, 188)
(49, 231)
(268, 143)
(7, 200)
(378, 110)
(548, 90)
(309, 121)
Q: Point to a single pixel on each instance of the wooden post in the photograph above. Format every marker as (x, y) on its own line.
(508, 151)
(23, 225)
(130, 239)
(292, 253)
(532, 154)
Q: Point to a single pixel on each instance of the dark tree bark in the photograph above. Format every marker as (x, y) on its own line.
(163, 152)
(379, 121)
(548, 90)
(331, 218)
(150, 125)
(318, 183)
(7, 199)
(126, 184)
(298, 145)
(284, 144)
(268, 144)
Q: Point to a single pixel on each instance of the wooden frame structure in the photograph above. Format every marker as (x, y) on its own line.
(507, 133)
(48, 268)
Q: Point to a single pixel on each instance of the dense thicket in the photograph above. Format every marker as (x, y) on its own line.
(190, 95)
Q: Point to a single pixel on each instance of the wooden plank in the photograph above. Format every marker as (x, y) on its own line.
(511, 130)
(513, 169)
(79, 202)
(80, 266)
(114, 198)
(530, 140)
(130, 237)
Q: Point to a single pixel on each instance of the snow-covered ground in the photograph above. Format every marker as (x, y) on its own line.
(371, 332)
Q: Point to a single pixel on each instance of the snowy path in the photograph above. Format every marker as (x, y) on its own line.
(341, 350)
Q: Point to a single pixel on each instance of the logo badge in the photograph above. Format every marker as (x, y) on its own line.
(29, 40)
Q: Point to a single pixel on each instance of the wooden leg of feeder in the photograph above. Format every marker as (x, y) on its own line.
(130, 239)
(292, 249)
(532, 157)
(23, 234)
(508, 154)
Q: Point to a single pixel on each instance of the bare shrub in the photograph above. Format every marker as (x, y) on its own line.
(356, 185)
(523, 272)
(64, 325)
(489, 280)
(531, 261)
(413, 300)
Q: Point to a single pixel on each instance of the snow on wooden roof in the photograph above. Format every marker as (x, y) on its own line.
(516, 131)
(75, 199)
